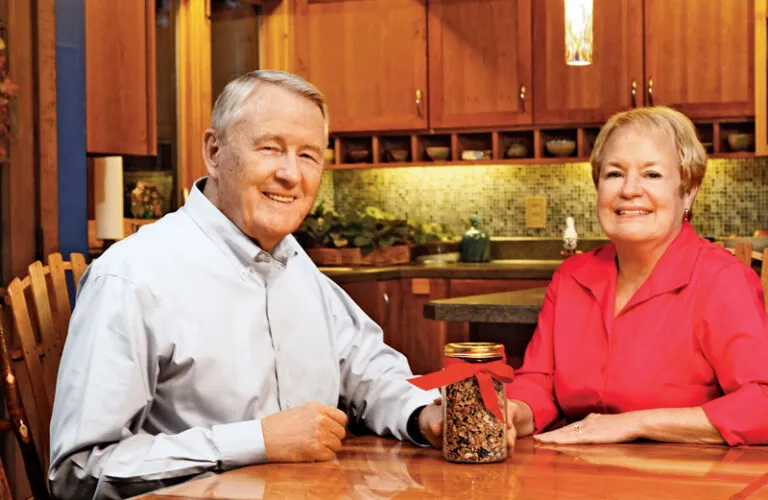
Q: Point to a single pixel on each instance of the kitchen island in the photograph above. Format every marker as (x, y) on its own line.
(507, 317)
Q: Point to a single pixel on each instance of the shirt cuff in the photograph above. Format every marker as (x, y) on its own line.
(739, 416)
(423, 399)
(543, 408)
(239, 443)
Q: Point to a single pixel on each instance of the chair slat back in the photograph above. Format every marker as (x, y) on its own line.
(42, 334)
(78, 268)
(764, 277)
(58, 280)
(19, 422)
(49, 337)
(743, 252)
(23, 324)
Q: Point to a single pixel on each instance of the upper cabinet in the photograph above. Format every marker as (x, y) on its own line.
(120, 77)
(369, 58)
(699, 56)
(587, 94)
(479, 63)
(417, 65)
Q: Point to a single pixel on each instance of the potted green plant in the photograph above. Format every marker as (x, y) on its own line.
(369, 237)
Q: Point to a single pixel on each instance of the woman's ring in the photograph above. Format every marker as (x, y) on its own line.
(578, 428)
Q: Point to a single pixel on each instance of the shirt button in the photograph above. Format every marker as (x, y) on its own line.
(244, 275)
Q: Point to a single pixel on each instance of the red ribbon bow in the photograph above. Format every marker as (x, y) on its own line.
(456, 369)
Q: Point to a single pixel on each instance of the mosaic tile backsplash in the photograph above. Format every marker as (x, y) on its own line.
(732, 200)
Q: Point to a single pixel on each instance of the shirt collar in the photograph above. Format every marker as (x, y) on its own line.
(233, 242)
(674, 269)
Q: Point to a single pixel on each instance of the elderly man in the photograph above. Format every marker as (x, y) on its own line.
(209, 340)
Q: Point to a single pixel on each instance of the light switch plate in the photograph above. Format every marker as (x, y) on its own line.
(536, 212)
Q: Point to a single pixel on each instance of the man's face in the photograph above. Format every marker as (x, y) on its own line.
(269, 163)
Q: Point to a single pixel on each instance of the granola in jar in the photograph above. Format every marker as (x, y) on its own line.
(472, 433)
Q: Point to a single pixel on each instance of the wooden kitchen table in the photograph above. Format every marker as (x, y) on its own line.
(373, 468)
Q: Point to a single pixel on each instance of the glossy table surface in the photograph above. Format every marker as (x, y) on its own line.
(377, 468)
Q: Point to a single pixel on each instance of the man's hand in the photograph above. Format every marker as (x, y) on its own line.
(596, 428)
(431, 423)
(311, 432)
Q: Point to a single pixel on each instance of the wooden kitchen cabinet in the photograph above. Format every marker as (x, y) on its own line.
(565, 94)
(699, 56)
(479, 63)
(120, 77)
(382, 301)
(369, 58)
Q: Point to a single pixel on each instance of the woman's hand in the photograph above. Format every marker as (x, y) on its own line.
(596, 428)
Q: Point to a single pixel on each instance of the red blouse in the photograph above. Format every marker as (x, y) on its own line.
(694, 334)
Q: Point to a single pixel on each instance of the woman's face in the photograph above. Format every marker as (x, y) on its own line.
(638, 189)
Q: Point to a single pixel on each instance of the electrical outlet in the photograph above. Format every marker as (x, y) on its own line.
(536, 212)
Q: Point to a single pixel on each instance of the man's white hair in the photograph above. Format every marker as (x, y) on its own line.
(229, 104)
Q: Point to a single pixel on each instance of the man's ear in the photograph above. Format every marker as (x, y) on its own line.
(211, 152)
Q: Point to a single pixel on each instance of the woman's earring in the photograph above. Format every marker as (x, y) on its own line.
(687, 215)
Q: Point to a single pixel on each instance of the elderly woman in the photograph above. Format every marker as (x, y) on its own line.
(659, 335)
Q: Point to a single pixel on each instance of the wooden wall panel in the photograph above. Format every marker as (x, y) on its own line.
(193, 35)
(19, 199)
(234, 44)
(46, 123)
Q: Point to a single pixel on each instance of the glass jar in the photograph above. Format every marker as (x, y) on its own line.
(472, 433)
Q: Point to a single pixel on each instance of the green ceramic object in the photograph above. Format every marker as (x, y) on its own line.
(475, 244)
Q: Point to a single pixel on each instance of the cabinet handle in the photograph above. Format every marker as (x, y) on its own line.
(385, 320)
(634, 93)
(523, 90)
(650, 91)
(419, 113)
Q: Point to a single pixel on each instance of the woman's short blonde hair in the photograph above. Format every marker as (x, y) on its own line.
(693, 158)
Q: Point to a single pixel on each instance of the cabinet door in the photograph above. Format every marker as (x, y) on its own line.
(120, 106)
(699, 56)
(382, 301)
(369, 58)
(565, 94)
(479, 63)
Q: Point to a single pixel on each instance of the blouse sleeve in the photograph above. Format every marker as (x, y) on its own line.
(734, 339)
(534, 381)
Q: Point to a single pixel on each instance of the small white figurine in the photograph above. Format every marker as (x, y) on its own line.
(570, 238)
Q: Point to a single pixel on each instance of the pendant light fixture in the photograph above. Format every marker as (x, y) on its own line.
(578, 32)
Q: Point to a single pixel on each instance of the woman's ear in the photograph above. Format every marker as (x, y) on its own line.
(690, 196)
(211, 152)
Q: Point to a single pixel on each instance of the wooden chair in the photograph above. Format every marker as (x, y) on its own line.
(39, 305)
(19, 424)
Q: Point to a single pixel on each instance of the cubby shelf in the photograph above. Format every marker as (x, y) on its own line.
(502, 146)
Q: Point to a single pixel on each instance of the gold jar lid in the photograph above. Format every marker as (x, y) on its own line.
(474, 350)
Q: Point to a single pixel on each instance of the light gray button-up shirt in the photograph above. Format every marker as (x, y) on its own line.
(185, 335)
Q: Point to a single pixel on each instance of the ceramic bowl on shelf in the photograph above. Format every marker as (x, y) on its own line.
(328, 156)
(560, 147)
(517, 150)
(398, 155)
(741, 141)
(476, 154)
(438, 153)
(359, 155)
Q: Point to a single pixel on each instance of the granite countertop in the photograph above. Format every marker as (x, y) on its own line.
(520, 307)
(498, 269)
